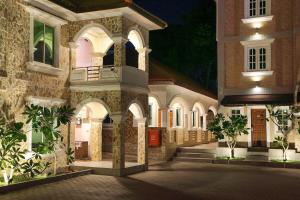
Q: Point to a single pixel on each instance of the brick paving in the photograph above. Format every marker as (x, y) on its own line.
(174, 181)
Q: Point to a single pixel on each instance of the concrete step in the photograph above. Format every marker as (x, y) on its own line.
(258, 149)
(252, 153)
(195, 150)
(196, 155)
(199, 160)
(257, 158)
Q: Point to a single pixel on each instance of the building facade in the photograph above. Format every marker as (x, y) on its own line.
(258, 65)
(179, 109)
(94, 56)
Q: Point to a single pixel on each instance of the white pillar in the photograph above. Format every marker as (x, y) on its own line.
(204, 122)
(144, 58)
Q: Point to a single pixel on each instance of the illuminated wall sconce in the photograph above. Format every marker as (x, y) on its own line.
(257, 88)
(78, 121)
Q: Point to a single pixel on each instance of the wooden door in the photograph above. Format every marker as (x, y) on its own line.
(258, 126)
(159, 118)
(171, 119)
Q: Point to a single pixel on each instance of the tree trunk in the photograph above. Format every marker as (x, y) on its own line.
(232, 153)
(55, 164)
(8, 177)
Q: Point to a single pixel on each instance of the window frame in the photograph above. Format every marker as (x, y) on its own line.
(194, 119)
(56, 23)
(257, 63)
(257, 9)
(178, 117)
(235, 114)
(265, 43)
(44, 50)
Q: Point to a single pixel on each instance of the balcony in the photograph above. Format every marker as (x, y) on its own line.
(109, 75)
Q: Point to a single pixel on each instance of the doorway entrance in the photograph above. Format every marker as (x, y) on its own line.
(258, 127)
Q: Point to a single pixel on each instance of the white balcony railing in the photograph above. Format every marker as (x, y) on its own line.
(126, 74)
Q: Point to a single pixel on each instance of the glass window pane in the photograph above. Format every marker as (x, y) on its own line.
(38, 41)
(262, 7)
(37, 138)
(252, 59)
(262, 58)
(252, 8)
(49, 45)
(178, 117)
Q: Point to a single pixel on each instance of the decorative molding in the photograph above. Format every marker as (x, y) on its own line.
(257, 73)
(257, 19)
(43, 68)
(250, 43)
(73, 45)
(44, 16)
(44, 101)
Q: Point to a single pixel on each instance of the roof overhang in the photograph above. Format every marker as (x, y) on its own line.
(259, 99)
(153, 81)
(128, 10)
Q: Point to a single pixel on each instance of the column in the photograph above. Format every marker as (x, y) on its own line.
(142, 141)
(204, 122)
(190, 120)
(118, 142)
(144, 58)
(97, 59)
(164, 117)
(119, 51)
(204, 131)
(96, 139)
(72, 133)
(73, 47)
(74, 75)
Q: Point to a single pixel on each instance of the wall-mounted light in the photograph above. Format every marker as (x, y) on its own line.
(257, 88)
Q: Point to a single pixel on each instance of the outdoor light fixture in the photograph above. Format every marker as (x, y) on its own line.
(257, 22)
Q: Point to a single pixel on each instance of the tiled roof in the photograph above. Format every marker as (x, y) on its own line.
(159, 73)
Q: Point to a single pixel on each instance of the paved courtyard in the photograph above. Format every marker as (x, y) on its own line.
(173, 181)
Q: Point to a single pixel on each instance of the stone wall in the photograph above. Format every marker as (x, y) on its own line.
(17, 82)
(131, 135)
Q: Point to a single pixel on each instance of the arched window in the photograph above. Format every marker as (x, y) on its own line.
(132, 56)
(109, 58)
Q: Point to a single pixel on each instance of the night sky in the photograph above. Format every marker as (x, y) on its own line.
(171, 11)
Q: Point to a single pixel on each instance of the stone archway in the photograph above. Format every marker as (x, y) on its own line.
(135, 134)
(135, 37)
(88, 131)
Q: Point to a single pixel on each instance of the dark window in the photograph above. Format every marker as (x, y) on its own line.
(108, 59)
(43, 43)
(132, 56)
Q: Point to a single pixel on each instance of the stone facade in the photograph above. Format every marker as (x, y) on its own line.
(18, 82)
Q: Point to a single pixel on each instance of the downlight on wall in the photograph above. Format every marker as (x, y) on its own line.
(257, 89)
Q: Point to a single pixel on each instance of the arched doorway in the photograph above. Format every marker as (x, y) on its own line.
(155, 114)
(135, 136)
(91, 137)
